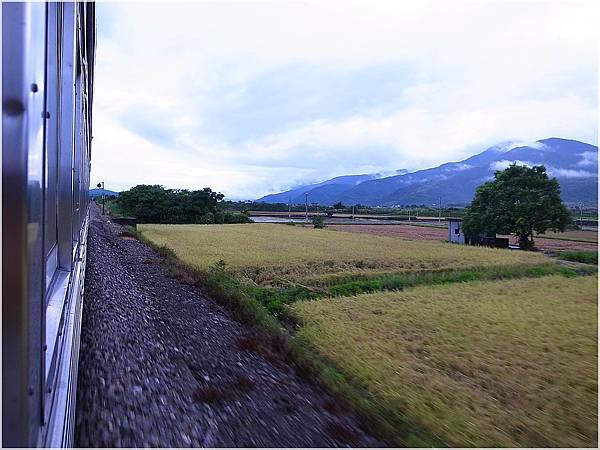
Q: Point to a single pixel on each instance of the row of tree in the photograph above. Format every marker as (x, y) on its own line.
(155, 204)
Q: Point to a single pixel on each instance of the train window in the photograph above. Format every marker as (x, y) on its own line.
(76, 162)
(78, 152)
(52, 140)
(65, 156)
(60, 167)
(51, 178)
(59, 150)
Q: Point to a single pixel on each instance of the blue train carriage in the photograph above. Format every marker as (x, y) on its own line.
(47, 90)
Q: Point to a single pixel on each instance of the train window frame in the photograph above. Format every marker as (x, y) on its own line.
(76, 206)
(52, 137)
(53, 304)
(60, 44)
(67, 139)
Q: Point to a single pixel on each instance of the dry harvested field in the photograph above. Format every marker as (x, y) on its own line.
(579, 235)
(264, 252)
(556, 241)
(489, 364)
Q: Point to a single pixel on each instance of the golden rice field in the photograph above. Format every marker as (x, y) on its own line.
(500, 363)
(265, 252)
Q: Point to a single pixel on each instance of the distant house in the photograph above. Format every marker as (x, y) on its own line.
(455, 233)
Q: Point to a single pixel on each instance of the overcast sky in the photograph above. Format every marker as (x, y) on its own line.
(251, 98)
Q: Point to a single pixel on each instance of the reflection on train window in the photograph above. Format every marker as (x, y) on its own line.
(52, 140)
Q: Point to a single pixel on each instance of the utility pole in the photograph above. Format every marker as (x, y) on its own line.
(352, 213)
(440, 210)
(290, 209)
(306, 205)
(101, 186)
(580, 205)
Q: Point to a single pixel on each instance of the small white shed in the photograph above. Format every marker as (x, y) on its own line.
(455, 233)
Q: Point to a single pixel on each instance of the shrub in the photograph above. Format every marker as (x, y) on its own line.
(318, 222)
(236, 218)
(165, 252)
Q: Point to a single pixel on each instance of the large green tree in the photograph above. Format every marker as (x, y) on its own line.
(155, 204)
(520, 200)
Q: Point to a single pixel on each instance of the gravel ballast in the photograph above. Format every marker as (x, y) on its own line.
(161, 365)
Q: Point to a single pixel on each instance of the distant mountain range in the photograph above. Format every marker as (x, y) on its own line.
(573, 163)
(324, 193)
(98, 192)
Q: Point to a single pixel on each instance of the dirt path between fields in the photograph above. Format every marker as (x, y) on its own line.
(161, 365)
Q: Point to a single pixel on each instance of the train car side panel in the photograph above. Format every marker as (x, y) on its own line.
(23, 44)
(47, 81)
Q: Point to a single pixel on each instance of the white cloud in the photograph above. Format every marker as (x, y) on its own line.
(471, 75)
(460, 167)
(532, 144)
(128, 159)
(503, 164)
(417, 137)
(569, 173)
(552, 171)
(588, 159)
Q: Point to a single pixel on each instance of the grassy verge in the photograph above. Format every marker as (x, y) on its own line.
(274, 299)
(587, 257)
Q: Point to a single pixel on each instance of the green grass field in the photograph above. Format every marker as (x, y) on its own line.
(445, 345)
(267, 252)
(503, 363)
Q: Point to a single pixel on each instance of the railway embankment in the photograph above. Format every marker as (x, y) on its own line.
(162, 365)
